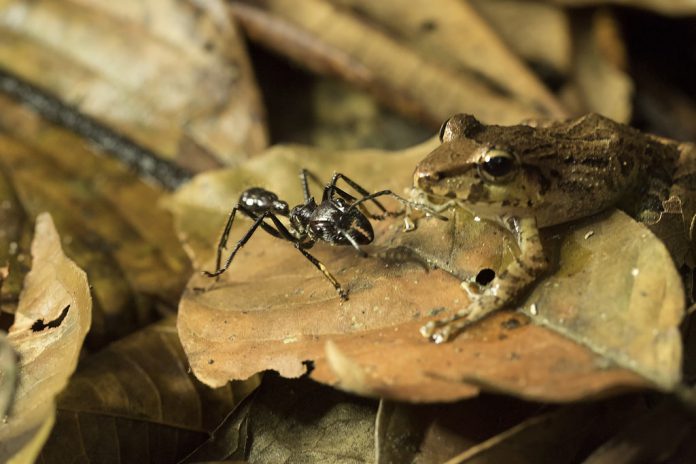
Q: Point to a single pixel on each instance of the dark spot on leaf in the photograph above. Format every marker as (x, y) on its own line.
(211, 361)
(436, 311)
(40, 325)
(511, 324)
(428, 25)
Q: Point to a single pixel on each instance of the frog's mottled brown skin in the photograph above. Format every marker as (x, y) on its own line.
(527, 177)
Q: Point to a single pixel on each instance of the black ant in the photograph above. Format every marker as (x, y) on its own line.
(340, 219)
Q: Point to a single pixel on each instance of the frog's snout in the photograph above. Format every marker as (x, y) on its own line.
(425, 179)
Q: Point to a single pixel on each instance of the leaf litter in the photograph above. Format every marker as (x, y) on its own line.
(51, 322)
(271, 310)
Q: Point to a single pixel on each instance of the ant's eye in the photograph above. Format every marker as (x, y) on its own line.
(498, 166)
(442, 130)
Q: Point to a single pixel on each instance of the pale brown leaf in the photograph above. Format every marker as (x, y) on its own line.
(188, 93)
(273, 310)
(51, 322)
(538, 32)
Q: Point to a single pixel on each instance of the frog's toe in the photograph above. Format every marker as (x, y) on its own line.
(442, 335)
(428, 329)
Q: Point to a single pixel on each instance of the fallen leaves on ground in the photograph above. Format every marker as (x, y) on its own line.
(135, 396)
(273, 310)
(108, 218)
(301, 421)
(430, 76)
(51, 322)
(189, 83)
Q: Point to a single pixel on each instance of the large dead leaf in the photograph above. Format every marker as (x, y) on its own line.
(301, 421)
(188, 93)
(50, 325)
(133, 396)
(429, 77)
(108, 218)
(273, 310)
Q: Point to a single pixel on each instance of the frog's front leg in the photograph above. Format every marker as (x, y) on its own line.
(504, 289)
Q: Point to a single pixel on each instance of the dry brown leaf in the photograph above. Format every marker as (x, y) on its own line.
(453, 35)
(654, 436)
(188, 93)
(600, 83)
(670, 7)
(538, 32)
(302, 421)
(273, 310)
(50, 325)
(571, 430)
(425, 434)
(108, 217)
(335, 41)
(136, 394)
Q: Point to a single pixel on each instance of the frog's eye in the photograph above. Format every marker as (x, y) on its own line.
(442, 130)
(498, 166)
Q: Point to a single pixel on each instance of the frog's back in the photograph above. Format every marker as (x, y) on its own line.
(585, 165)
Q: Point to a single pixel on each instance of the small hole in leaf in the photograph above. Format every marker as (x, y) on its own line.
(485, 276)
(309, 364)
(40, 325)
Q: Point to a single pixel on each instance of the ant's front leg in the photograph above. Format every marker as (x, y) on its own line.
(222, 244)
(332, 187)
(407, 203)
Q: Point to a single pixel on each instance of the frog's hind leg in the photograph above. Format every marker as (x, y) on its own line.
(504, 289)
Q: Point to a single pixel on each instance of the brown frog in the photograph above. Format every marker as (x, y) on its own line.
(526, 177)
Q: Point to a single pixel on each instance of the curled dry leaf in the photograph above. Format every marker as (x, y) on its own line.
(109, 220)
(178, 96)
(51, 322)
(136, 394)
(273, 310)
(431, 77)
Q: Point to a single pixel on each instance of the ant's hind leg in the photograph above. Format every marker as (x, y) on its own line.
(319, 265)
(258, 222)
(222, 244)
(285, 233)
